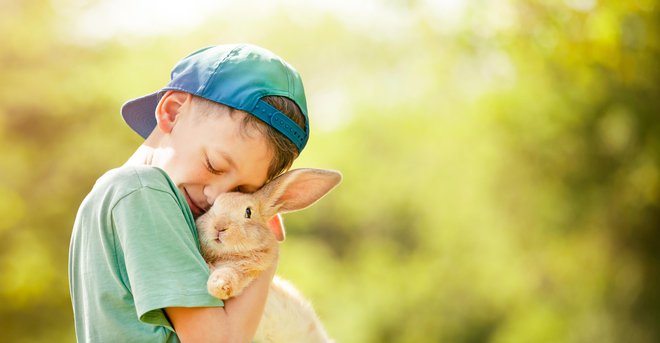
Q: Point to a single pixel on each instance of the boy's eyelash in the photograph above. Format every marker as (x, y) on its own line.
(210, 168)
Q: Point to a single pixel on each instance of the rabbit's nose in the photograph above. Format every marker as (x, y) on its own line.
(220, 233)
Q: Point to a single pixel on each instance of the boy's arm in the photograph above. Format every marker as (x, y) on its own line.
(237, 321)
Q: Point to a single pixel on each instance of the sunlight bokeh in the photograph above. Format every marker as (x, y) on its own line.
(501, 159)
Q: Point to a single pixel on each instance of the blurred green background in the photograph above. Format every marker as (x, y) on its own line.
(501, 158)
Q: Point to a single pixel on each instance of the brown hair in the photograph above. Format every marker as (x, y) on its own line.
(284, 151)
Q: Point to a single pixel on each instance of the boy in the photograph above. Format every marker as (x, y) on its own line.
(231, 118)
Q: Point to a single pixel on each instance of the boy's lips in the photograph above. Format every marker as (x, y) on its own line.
(196, 210)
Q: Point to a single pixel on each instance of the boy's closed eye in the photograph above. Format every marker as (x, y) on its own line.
(218, 171)
(211, 168)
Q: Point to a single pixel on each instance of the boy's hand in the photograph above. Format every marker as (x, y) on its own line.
(237, 321)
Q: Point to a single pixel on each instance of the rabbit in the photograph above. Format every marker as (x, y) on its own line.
(239, 236)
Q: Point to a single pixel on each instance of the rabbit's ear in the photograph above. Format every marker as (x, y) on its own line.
(298, 189)
(276, 225)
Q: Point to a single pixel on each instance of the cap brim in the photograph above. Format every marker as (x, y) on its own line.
(140, 114)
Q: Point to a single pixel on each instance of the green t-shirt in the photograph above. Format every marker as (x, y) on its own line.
(134, 251)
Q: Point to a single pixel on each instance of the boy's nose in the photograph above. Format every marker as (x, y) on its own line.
(212, 191)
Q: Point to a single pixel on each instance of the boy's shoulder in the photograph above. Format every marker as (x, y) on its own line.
(129, 178)
(144, 185)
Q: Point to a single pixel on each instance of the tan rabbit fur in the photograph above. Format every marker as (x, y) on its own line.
(239, 242)
(236, 248)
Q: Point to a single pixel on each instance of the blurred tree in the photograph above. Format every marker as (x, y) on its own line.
(500, 159)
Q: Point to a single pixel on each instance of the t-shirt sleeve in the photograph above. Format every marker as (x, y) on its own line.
(164, 267)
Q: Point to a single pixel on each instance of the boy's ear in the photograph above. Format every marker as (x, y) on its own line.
(168, 109)
(297, 189)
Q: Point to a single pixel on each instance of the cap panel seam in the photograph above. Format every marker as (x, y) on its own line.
(292, 87)
(217, 67)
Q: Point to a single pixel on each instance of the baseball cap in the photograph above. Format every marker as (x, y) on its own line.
(236, 75)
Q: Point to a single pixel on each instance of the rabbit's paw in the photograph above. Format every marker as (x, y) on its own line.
(220, 287)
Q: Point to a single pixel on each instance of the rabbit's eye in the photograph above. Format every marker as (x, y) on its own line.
(248, 213)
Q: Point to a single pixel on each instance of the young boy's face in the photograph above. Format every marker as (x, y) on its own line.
(206, 155)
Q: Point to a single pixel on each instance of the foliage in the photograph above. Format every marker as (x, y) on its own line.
(502, 175)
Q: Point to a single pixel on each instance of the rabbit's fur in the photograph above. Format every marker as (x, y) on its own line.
(239, 237)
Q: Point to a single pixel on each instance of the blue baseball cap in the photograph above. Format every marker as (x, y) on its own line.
(236, 75)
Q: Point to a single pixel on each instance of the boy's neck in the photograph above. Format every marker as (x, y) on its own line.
(145, 153)
(142, 156)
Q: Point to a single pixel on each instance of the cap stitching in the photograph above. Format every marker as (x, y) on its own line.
(288, 78)
(217, 67)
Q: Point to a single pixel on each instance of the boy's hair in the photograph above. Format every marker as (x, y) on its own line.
(240, 76)
(284, 151)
